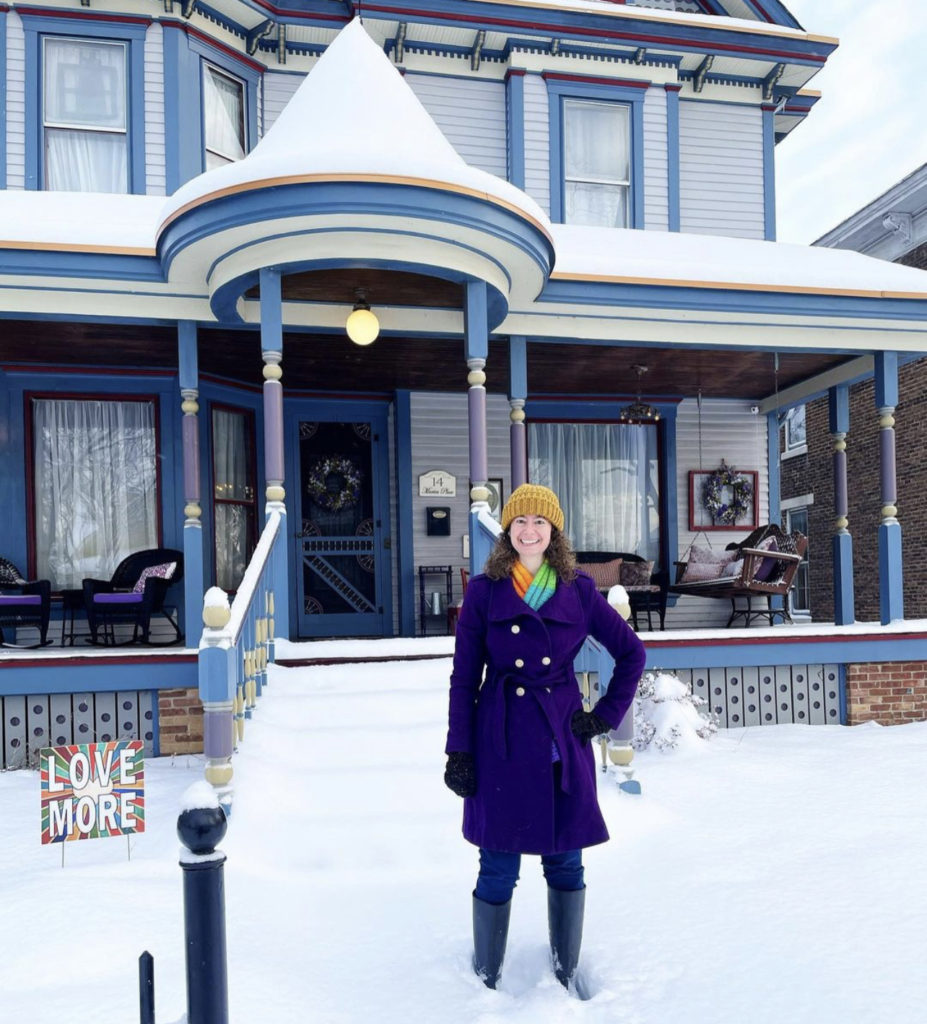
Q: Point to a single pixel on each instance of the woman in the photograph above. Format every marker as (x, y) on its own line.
(518, 745)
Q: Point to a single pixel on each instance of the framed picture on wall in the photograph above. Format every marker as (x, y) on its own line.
(494, 486)
(723, 499)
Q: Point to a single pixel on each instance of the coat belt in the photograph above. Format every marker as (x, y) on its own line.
(494, 692)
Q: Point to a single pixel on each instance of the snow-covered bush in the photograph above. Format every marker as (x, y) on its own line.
(668, 714)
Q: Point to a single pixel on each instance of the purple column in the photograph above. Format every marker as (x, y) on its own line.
(887, 476)
(191, 453)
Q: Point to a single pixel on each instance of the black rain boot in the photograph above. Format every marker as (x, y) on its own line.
(565, 919)
(490, 932)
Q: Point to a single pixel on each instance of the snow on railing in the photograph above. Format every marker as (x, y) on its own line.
(236, 646)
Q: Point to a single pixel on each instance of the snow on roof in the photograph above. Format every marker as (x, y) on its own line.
(626, 256)
(84, 222)
(354, 115)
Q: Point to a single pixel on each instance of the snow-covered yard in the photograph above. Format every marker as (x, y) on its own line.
(767, 875)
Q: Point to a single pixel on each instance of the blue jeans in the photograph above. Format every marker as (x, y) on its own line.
(499, 873)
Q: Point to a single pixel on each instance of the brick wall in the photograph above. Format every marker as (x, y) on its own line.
(890, 693)
(813, 473)
(180, 721)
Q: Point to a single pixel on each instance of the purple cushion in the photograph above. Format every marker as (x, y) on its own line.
(117, 598)
(767, 566)
(7, 600)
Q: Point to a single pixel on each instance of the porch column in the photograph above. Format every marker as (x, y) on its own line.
(476, 340)
(891, 596)
(193, 524)
(518, 388)
(839, 405)
(272, 354)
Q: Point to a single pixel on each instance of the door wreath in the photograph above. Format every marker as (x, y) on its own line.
(334, 483)
(727, 483)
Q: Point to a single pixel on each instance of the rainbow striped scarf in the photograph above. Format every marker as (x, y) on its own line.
(534, 591)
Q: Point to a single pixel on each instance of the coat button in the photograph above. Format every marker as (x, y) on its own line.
(516, 629)
(519, 663)
(520, 692)
(545, 661)
(547, 688)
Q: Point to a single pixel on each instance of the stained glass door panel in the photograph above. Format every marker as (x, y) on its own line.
(340, 540)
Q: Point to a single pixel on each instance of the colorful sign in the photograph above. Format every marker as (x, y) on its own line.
(92, 790)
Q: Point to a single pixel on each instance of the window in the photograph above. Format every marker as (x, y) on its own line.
(795, 437)
(84, 115)
(608, 481)
(796, 521)
(95, 485)
(223, 117)
(235, 512)
(596, 163)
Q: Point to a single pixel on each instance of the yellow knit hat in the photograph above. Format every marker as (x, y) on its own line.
(533, 500)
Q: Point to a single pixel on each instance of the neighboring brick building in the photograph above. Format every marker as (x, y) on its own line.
(892, 227)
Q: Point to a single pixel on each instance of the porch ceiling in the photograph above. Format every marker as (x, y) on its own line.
(314, 362)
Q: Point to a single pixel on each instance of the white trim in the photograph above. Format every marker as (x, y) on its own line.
(800, 501)
(790, 453)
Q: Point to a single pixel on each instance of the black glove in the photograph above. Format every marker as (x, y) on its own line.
(586, 724)
(460, 775)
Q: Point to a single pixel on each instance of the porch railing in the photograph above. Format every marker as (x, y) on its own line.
(236, 646)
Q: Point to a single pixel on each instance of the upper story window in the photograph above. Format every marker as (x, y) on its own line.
(596, 163)
(223, 117)
(795, 434)
(596, 151)
(84, 118)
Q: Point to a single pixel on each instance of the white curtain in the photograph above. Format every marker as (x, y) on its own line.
(607, 478)
(231, 446)
(223, 118)
(596, 163)
(95, 486)
(85, 89)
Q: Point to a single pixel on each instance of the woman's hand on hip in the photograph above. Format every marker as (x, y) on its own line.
(460, 773)
(586, 724)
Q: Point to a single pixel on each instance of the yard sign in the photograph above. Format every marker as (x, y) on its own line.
(92, 790)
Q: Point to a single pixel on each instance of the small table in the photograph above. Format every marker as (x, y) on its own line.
(72, 601)
(433, 606)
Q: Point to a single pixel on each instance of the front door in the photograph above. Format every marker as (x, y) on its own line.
(342, 541)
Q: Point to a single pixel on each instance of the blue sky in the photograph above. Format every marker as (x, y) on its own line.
(869, 129)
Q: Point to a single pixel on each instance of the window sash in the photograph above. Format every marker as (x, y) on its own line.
(85, 116)
(95, 486)
(795, 431)
(796, 520)
(223, 117)
(596, 162)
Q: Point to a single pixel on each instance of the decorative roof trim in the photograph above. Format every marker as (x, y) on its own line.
(380, 179)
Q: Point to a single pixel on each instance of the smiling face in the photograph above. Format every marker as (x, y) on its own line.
(530, 536)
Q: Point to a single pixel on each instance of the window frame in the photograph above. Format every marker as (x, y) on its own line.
(29, 397)
(803, 573)
(251, 457)
(790, 446)
(90, 28)
(546, 412)
(626, 93)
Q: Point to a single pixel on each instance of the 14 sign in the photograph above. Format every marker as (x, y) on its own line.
(92, 790)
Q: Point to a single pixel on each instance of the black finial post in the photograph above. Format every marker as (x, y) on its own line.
(146, 1001)
(201, 830)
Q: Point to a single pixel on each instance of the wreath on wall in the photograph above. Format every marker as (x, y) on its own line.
(334, 483)
(727, 495)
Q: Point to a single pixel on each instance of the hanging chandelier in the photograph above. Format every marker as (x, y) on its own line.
(639, 409)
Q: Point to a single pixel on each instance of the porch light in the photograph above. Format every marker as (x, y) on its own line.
(362, 325)
(639, 410)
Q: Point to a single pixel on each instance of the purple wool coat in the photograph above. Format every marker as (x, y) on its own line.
(529, 694)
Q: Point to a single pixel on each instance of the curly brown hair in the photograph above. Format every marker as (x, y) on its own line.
(559, 554)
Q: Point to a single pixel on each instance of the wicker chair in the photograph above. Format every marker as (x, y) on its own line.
(135, 592)
(23, 603)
